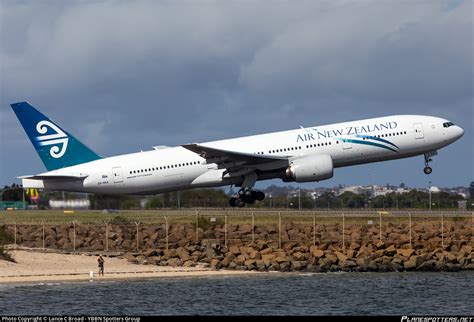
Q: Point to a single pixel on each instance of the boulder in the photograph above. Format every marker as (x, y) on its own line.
(266, 251)
(331, 258)
(255, 255)
(468, 267)
(450, 267)
(348, 264)
(284, 266)
(351, 253)
(427, 266)
(183, 254)
(440, 265)
(290, 245)
(407, 253)
(390, 251)
(371, 267)
(413, 262)
(298, 265)
(341, 257)
(154, 260)
(150, 253)
(361, 262)
(226, 261)
(215, 263)
(318, 253)
(267, 258)
(234, 250)
(324, 265)
(130, 258)
(250, 264)
(450, 257)
(239, 261)
(260, 265)
(174, 262)
(298, 256)
(261, 245)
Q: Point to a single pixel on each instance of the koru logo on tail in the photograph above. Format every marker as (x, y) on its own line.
(58, 140)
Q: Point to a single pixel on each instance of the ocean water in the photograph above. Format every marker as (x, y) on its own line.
(266, 294)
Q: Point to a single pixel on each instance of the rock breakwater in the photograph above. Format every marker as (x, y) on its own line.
(425, 246)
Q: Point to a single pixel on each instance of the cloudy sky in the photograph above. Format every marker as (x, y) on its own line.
(123, 76)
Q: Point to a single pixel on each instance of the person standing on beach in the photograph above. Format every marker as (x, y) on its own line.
(101, 262)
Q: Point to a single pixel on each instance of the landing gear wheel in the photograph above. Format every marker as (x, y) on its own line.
(239, 203)
(232, 202)
(427, 170)
(259, 195)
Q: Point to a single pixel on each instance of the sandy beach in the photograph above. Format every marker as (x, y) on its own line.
(36, 266)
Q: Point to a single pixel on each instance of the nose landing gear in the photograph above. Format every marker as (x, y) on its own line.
(246, 196)
(427, 169)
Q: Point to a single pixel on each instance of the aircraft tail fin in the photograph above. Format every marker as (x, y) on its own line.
(56, 147)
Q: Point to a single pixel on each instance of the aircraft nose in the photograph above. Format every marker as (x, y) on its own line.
(458, 132)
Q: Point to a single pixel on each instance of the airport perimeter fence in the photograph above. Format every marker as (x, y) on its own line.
(140, 231)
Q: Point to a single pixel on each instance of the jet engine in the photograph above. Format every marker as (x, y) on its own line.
(309, 168)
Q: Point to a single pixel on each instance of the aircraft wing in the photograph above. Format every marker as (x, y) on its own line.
(59, 177)
(237, 161)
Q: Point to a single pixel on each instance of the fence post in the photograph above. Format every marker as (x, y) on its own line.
(225, 229)
(380, 226)
(166, 231)
(279, 229)
(14, 222)
(43, 234)
(106, 236)
(343, 233)
(197, 225)
(409, 213)
(136, 224)
(442, 231)
(253, 227)
(74, 235)
(314, 228)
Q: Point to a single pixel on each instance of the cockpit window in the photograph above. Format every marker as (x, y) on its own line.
(448, 124)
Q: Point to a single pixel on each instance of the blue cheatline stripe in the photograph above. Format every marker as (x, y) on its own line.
(377, 139)
(368, 143)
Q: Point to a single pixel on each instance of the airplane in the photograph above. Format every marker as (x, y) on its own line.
(301, 155)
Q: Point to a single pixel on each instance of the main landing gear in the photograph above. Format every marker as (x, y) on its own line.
(246, 196)
(427, 169)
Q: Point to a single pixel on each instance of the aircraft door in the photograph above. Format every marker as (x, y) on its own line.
(418, 128)
(346, 145)
(117, 172)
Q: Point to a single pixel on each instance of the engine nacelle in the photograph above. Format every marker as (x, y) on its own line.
(310, 168)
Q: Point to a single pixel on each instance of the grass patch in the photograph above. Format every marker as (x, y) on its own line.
(5, 238)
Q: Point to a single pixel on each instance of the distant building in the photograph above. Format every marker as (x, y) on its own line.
(435, 189)
(70, 204)
(471, 190)
(381, 191)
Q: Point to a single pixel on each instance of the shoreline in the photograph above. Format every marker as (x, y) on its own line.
(36, 267)
(78, 277)
(49, 266)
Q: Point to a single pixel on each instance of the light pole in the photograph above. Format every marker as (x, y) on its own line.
(299, 198)
(429, 192)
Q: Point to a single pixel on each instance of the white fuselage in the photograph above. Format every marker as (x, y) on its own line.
(177, 168)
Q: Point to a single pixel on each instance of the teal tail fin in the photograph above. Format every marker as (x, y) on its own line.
(56, 147)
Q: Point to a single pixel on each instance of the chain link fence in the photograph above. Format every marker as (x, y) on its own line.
(141, 231)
